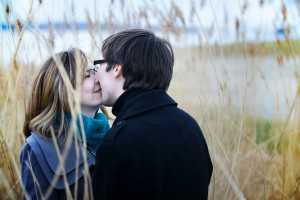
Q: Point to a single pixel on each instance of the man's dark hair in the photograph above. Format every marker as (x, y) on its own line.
(147, 60)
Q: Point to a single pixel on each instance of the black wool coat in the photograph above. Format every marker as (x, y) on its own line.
(154, 150)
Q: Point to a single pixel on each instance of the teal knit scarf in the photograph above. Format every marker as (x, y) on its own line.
(94, 128)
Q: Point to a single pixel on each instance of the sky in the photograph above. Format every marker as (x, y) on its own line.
(212, 21)
(221, 14)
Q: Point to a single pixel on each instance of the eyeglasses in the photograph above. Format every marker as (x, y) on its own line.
(91, 72)
(99, 62)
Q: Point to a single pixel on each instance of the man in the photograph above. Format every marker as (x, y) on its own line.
(153, 150)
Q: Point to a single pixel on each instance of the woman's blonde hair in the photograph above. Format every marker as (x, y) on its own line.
(51, 96)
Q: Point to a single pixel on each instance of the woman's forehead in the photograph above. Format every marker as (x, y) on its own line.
(89, 65)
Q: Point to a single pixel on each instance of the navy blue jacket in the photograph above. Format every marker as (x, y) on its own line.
(154, 150)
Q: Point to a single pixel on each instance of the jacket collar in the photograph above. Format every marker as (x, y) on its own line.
(137, 101)
(48, 159)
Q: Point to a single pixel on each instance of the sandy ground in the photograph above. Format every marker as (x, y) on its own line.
(256, 85)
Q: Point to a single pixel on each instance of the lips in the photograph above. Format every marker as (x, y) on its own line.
(97, 91)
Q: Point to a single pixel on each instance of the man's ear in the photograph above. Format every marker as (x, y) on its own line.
(118, 71)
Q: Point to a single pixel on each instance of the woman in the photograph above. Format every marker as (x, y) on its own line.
(59, 154)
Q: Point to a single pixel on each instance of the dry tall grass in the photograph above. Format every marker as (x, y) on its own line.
(245, 97)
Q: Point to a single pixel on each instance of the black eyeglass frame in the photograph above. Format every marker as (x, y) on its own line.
(99, 62)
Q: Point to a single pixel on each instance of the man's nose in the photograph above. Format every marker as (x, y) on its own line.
(96, 77)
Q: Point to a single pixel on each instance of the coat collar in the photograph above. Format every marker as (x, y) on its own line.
(45, 153)
(137, 101)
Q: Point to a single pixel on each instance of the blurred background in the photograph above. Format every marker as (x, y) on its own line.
(189, 24)
(236, 71)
